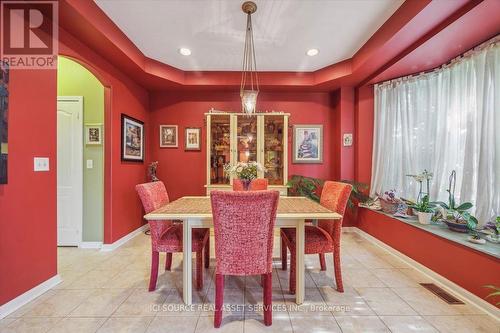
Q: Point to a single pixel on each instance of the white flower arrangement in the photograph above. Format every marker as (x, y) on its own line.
(244, 170)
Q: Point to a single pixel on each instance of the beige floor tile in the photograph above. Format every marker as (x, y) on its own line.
(27, 307)
(230, 324)
(6, 321)
(383, 301)
(174, 305)
(347, 303)
(59, 305)
(31, 325)
(313, 323)
(101, 303)
(281, 323)
(360, 278)
(365, 324)
(394, 261)
(78, 325)
(408, 324)
(129, 279)
(313, 304)
(125, 325)
(464, 324)
(93, 279)
(394, 278)
(142, 302)
(172, 324)
(426, 303)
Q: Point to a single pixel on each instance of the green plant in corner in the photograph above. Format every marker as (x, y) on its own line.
(495, 293)
(310, 187)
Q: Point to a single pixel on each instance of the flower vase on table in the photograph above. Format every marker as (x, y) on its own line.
(244, 171)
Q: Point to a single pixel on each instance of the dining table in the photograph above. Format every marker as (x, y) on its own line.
(196, 212)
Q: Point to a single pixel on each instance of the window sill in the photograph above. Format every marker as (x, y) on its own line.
(441, 230)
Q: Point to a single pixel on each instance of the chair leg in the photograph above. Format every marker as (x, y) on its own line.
(322, 261)
(207, 253)
(219, 299)
(283, 254)
(199, 269)
(291, 281)
(268, 298)
(155, 257)
(338, 270)
(168, 261)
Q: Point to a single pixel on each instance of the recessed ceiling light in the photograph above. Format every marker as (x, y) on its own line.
(185, 51)
(312, 52)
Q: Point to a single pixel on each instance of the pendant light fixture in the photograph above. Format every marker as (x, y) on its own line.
(249, 88)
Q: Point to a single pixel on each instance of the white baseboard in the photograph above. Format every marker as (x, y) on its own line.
(28, 296)
(124, 239)
(90, 245)
(443, 282)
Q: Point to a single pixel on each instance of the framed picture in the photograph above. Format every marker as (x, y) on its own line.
(192, 138)
(132, 139)
(168, 136)
(307, 144)
(93, 134)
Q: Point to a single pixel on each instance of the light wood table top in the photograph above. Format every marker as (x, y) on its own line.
(200, 207)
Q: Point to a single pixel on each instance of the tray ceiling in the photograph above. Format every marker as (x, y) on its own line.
(283, 31)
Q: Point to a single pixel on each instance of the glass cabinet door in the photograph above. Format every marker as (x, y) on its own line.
(274, 149)
(246, 138)
(220, 148)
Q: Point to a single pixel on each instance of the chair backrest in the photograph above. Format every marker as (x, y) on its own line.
(153, 196)
(334, 196)
(258, 184)
(244, 231)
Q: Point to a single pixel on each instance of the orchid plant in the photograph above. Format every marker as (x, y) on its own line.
(243, 170)
(455, 211)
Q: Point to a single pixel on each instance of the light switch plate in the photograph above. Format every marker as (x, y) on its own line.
(90, 164)
(41, 164)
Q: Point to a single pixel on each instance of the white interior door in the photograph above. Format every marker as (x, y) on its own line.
(69, 170)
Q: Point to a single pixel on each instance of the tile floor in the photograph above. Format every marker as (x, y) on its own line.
(107, 292)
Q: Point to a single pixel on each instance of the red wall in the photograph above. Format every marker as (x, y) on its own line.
(363, 137)
(184, 173)
(28, 201)
(466, 267)
(123, 211)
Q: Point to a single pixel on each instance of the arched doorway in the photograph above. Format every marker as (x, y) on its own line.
(81, 155)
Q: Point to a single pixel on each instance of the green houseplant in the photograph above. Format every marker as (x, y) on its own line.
(425, 209)
(456, 216)
(311, 188)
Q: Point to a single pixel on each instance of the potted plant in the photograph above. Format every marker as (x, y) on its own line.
(310, 187)
(246, 172)
(455, 215)
(425, 209)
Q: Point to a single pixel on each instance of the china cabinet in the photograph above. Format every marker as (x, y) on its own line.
(237, 137)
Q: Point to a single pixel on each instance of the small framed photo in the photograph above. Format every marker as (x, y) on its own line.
(307, 144)
(192, 138)
(93, 134)
(169, 136)
(132, 139)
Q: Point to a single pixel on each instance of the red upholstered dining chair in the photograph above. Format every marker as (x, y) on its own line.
(258, 184)
(243, 226)
(167, 236)
(321, 239)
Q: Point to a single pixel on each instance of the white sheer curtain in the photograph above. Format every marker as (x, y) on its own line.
(441, 121)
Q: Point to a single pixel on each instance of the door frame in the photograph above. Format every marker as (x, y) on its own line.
(79, 135)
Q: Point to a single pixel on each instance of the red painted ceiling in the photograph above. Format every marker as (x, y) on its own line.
(420, 35)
